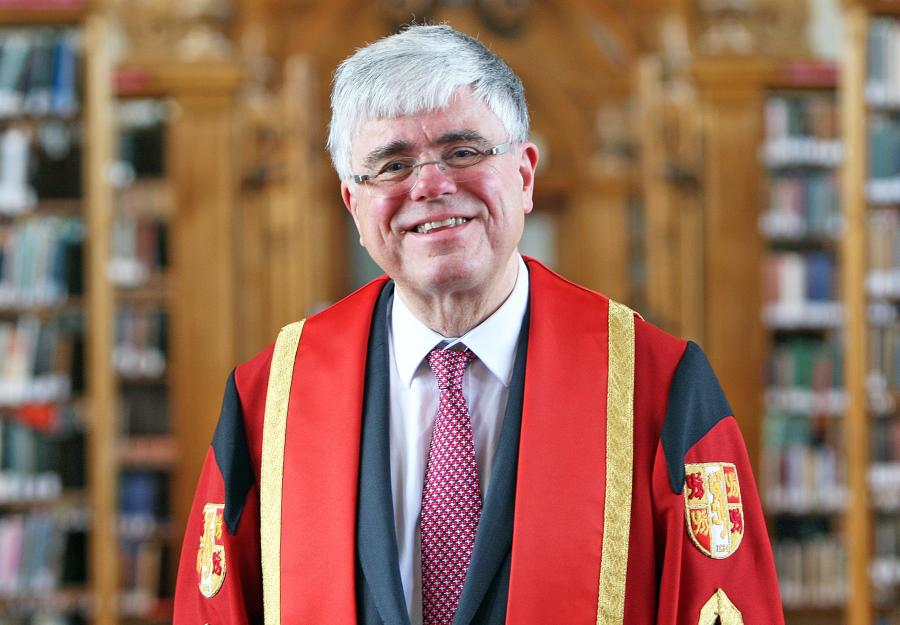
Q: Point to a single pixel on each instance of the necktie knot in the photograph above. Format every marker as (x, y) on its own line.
(449, 366)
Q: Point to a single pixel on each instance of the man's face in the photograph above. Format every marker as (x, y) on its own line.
(472, 256)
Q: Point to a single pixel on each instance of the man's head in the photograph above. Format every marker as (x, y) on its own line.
(450, 116)
(418, 70)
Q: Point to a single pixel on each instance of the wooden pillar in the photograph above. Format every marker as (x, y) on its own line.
(854, 267)
(673, 233)
(103, 563)
(661, 232)
(594, 235)
(731, 105)
(203, 243)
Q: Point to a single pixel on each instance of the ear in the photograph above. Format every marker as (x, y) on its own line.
(528, 161)
(352, 204)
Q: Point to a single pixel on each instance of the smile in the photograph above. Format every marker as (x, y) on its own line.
(432, 226)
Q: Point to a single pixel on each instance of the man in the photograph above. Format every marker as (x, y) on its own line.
(471, 439)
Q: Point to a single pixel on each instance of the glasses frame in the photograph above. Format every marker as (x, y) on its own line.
(496, 150)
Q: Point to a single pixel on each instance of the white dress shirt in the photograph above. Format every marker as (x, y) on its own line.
(414, 405)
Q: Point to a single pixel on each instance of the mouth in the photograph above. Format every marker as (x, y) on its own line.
(436, 226)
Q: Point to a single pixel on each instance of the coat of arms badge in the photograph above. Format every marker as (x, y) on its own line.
(211, 556)
(713, 511)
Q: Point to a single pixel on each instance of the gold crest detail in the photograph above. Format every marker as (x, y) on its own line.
(211, 556)
(713, 510)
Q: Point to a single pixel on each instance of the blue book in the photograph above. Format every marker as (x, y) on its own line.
(65, 67)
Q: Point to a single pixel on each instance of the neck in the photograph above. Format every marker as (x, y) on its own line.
(454, 313)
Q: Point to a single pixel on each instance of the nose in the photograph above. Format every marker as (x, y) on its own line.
(432, 181)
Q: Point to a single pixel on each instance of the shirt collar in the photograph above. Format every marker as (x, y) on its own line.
(494, 340)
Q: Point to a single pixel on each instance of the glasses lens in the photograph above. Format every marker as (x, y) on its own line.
(394, 186)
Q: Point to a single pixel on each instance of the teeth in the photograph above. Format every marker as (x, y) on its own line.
(449, 222)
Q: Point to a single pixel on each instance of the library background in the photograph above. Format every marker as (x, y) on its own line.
(729, 168)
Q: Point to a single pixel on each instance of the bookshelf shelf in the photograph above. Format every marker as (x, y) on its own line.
(61, 599)
(149, 452)
(21, 14)
(806, 401)
(804, 315)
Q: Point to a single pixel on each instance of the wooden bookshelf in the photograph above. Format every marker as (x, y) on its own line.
(93, 410)
(803, 411)
(856, 117)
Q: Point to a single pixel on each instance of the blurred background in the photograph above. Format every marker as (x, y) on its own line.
(729, 168)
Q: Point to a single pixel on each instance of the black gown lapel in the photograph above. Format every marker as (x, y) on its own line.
(376, 537)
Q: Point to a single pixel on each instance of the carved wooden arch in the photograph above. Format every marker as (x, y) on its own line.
(567, 74)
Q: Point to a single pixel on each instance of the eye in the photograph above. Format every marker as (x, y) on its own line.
(394, 168)
(463, 156)
(463, 153)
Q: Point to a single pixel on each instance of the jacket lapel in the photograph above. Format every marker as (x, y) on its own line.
(376, 533)
(558, 527)
(495, 530)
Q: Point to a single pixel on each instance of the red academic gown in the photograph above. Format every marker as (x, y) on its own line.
(697, 531)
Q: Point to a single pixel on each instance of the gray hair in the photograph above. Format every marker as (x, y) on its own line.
(418, 70)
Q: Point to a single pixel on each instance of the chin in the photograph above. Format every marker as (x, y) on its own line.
(449, 276)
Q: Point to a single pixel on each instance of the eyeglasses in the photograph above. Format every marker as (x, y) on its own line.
(395, 177)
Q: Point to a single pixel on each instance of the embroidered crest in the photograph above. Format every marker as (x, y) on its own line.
(713, 511)
(211, 556)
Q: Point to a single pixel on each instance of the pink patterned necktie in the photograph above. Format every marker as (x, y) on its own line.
(451, 502)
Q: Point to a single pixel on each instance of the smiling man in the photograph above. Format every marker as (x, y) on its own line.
(469, 439)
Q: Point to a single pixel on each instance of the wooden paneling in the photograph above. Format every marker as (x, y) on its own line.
(594, 235)
(203, 266)
(730, 92)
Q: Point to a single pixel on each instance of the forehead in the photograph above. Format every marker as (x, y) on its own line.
(463, 112)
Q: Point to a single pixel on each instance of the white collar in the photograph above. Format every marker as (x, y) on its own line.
(493, 340)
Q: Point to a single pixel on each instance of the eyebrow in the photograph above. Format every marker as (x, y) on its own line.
(399, 147)
(394, 147)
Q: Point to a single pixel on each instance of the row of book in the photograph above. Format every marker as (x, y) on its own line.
(39, 70)
(55, 159)
(883, 279)
(144, 409)
(794, 277)
(42, 550)
(800, 362)
(36, 465)
(884, 472)
(139, 249)
(143, 565)
(802, 467)
(812, 571)
(884, 148)
(42, 359)
(883, 62)
(802, 205)
(144, 537)
(39, 161)
(41, 261)
(143, 497)
(813, 115)
(884, 357)
(141, 342)
(142, 137)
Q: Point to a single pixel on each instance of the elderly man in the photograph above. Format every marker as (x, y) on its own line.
(470, 439)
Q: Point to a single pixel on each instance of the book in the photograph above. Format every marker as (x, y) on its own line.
(39, 71)
(40, 261)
